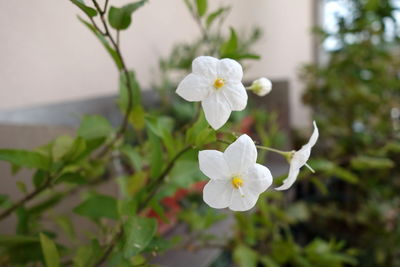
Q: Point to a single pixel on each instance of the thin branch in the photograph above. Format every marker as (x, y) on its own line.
(25, 199)
(153, 190)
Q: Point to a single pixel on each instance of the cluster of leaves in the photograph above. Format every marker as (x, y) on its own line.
(267, 238)
(355, 96)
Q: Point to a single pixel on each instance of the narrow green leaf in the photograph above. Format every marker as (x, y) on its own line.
(13, 240)
(156, 155)
(120, 17)
(245, 256)
(25, 158)
(91, 12)
(138, 234)
(201, 7)
(133, 155)
(114, 55)
(98, 206)
(124, 93)
(71, 178)
(230, 46)
(94, 126)
(50, 251)
(368, 163)
(214, 15)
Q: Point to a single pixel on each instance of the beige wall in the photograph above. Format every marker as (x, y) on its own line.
(47, 56)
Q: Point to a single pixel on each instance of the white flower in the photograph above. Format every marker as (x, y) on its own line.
(236, 179)
(217, 84)
(261, 86)
(298, 159)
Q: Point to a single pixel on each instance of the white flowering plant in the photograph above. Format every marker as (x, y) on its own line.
(148, 157)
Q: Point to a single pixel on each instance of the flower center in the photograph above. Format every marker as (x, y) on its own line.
(218, 83)
(237, 182)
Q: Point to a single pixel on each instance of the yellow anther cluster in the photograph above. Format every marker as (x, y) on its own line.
(237, 182)
(218, 83)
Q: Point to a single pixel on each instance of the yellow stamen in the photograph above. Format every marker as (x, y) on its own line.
(218, 83)
(237, 182)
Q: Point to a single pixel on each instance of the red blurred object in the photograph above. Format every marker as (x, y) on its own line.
(172, 206)
(246, 124)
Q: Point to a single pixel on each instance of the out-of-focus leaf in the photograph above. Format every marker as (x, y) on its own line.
(370, 163)
(201, 7)
(60, 146)
(133, 156)
(214, 15)
(87, 255)
(25, 158)
(156, 155)
(120, 17)
(245, 256)
(71, 178)
(91, 12)
(94, 126)
(124, 91)
(230, 46)
(50, 252)
(114, 55)
(138, 234)
(98, 206)
(12, 240)
(331, 168)
(66, 225)
(162, 127)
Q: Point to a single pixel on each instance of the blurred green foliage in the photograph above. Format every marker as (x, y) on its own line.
(355, 97)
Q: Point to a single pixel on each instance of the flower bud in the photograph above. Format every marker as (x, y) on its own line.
(261, 86)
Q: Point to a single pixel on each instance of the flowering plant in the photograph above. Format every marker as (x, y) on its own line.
(149, 154)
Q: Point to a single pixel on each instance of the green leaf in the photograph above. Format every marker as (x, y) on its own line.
(98, 206)
(162, 127)
(124, 93)
(91, 12)
(76, 151)
(71, 178)
(25, 158)
(87, 255)
(156, 155)
(214, 15)
(21, 187)
(114, 55)
(94, 126)
(245, 256)
(201, 7)
(12, 240)
(133, 155)
(120, 18)
(138, 234)
(64, 222)
(50, 252)
(60, 146)
(368, 163)
(230, 46)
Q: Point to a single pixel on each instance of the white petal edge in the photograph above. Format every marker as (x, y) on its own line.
(230, 70)
(314, 136)
(206, 67)
(193, 88)
(218, 194)
(257, 179)
(216, 109)
(241, 155)
(236, 95)
(243, 203)
(212, 164)
(289, 181)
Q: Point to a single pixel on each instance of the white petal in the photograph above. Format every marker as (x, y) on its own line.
(289, 181)
(193, 88)
(212, 164)
(236, 95)
(243, 202)
(241, 155)
(205, 66)
(217, 193)
(257, 179)
(230, 70)
(314, 136)
(217, 110)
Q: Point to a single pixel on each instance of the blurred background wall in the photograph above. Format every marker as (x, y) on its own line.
(47, 56)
